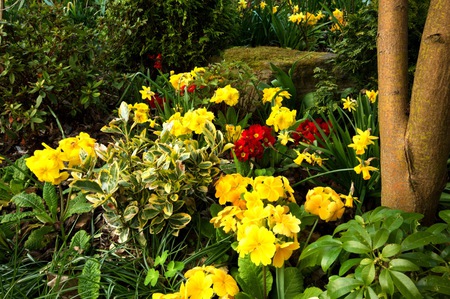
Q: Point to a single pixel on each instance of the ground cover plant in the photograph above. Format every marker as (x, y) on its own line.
(205, 183)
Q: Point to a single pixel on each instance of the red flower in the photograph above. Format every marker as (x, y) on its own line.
(191, 88)
(253, 141)
(156, 99)
(307, 130)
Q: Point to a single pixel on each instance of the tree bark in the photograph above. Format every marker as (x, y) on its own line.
(415, 145)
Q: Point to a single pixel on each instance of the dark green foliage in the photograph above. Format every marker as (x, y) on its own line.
(47, 60)
(185, 33)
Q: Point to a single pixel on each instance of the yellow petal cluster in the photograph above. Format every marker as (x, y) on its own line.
(227, 94)
(325, 203)
(281, 118)
(192, 121)
(361, 140)
(275, 94)
(265, 229)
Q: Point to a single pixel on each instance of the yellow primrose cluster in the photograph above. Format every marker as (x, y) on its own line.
(275, 94)
(339, 16)
(360, 143)
(191, 121)
(326, 203)
(47, 164)
(141, 113)
(257, 213)
(307, 18)
(311, 159)
(227, 94)
(182, 80)
(204, 282)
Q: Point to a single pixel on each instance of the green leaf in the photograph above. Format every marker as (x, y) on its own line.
(368, 273)
(173, 268)
(151, 277)
(38, 239)
(418, 239)
(161, 259)
(89, 280)
(402, 265)
(293, 282)
(13, 217)
(329, 257)
(433, 283)
(445, 215)
(342, 286)
(386, 283)
(130, 212)
(179, 220)
(356, 247)
(51, 199)
(348, 264)
(87, 185)
(308, 293)
(251, 278)
(405, 285)
(380, 238)
(29, 200)
(80, 241)
(77, 205)
(391, 249)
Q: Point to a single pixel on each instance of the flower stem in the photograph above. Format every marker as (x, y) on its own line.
(280, 281)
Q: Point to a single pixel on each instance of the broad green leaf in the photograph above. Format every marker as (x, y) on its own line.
(293, 282)
(390, 250)
(342, 286)
(308, 293)
(179, 220)
(329, 257)
(89, 280)
(251, 278)
(130, 212)
(405, 285)
(348, 264)
(13, 217)
(445, 215)
(418, 239)
(44, 217)
(161, 259)
(29, 200)
(386, 283)
(51, 199)
(402, 265)
(368, 273)
(77, 205)
(356, 247)
(87, 185)
(437, 284)
(370, 293)
(38, 238)
(380, 238)
(151, 277)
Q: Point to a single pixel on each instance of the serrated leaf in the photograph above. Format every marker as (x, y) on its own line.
(80, 241)
(14, 217)
(417, 239)
(37, 238)
(405, 285)
(29, 200)
(77, 205)
(151, 277)
(251, 278)
(51, 199)
(89, 280)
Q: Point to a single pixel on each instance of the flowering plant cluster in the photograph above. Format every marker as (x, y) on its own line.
(253, 142)
(204, 282)
(326, 203)
(257, 212)
(307, 131)
(47, 164)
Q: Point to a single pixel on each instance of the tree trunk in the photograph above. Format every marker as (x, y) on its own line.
(415, 145)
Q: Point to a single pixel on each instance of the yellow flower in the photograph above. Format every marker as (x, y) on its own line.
(284, 252)
(361, 141)
(269, 187)
(295, 9)
(224, 284)
(46, 165)
(325, 203)
(372, 95)
(263, 4)
(281, 118)
(242, 4)
(364, 168)
(233, 133)
(146, 93)
(284, 138)
(196, 120)
(302, 156)
(178, 128)
(339, 16)
(259, 242)
(275, 94)
(274, 9)
(296, 18)
(227, 94)
(349, 104)
(230, 187)
(285, 224)
(180, 80)
(199, 286)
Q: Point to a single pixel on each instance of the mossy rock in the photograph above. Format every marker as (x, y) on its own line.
(259, 59)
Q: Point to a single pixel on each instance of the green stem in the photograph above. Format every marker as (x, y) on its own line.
(309, 237)
(280, 281)
(264, 282)
(62, 213)
(321, 174)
